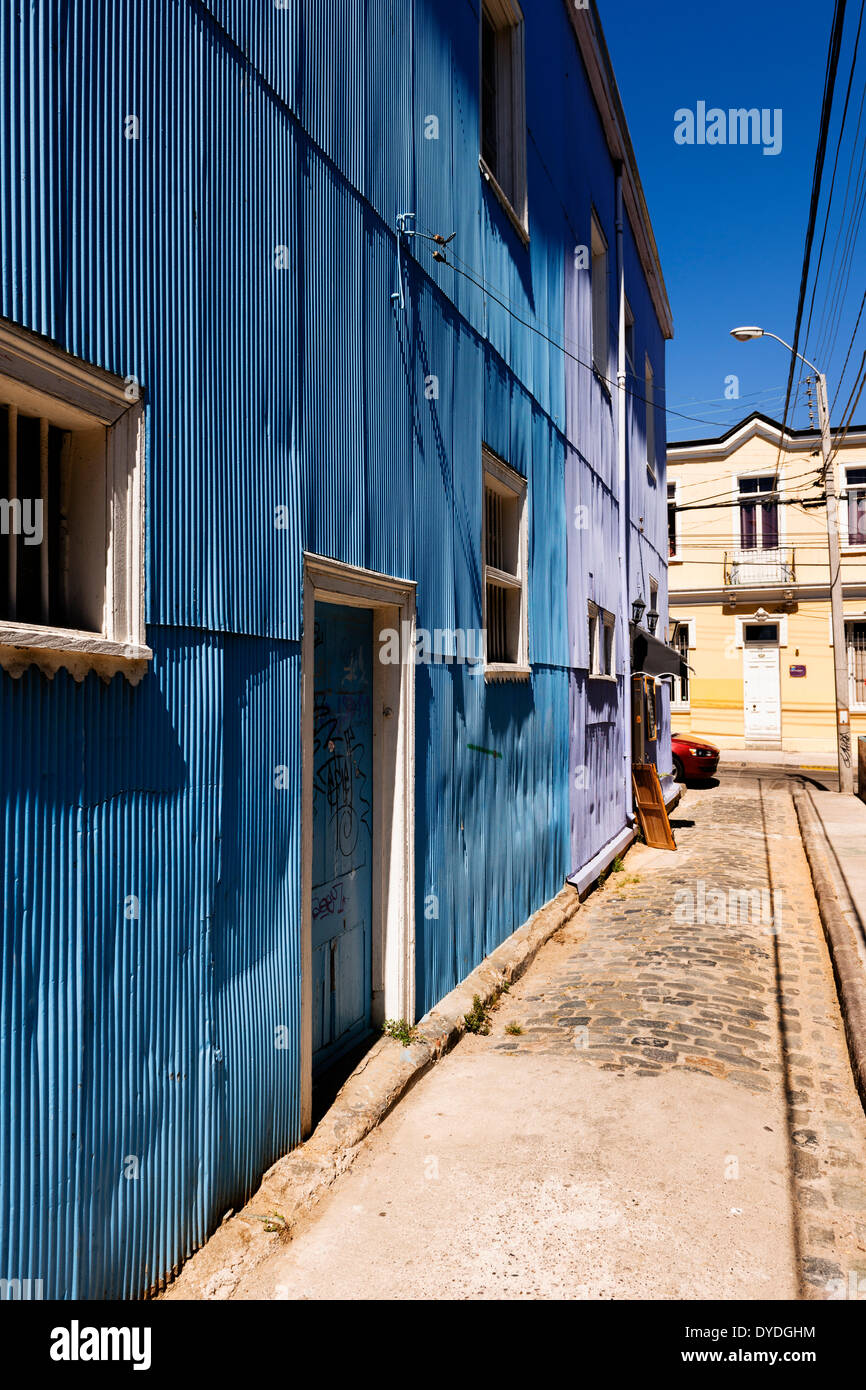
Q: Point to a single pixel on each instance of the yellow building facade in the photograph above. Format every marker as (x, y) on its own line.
(749, 584)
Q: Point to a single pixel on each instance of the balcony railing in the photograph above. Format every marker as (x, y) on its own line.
(754, 567)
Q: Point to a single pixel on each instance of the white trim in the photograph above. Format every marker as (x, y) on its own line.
(506, 18)
(393, 970)
(676, 558)
(499, 477)
(42, 380)
(599, 862)
(781, 619)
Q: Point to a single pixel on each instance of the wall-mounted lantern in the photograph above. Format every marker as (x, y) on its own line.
(637, 611)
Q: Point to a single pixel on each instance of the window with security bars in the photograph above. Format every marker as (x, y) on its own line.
(504, 550)
(33, 453)
(680, 688)
(855, 487)
(855, 634)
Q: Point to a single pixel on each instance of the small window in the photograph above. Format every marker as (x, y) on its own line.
(71, 510)
(602, 627)
(673, 522)
(654, 595)
(600, 305)
(650, 395)
(505, 551)
(757, 633)
(855, 488)
(503, 103)
(855, 634)
(629, 336)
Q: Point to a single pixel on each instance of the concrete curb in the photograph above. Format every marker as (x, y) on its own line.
(293, 1186)
(847, 965)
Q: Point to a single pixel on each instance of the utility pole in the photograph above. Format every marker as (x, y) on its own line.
(840, 649)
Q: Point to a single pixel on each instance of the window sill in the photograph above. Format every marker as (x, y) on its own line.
(53, 648)
(514, 218)
(599, 676)
(505, 671)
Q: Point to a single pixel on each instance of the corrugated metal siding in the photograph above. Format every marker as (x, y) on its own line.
(296, 135)
(146, 933)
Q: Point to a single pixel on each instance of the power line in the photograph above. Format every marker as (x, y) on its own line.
(817, 174)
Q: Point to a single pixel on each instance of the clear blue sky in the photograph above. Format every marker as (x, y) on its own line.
(730, 222)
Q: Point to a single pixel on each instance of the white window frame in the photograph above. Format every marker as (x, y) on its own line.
(675, 557)
(684, 625)
(650, 397)
(857, 707)
(500, 478)
(39, 379)
(508, 182)
(602, 642)
(600, 308)
(845, 544)
(629, 325)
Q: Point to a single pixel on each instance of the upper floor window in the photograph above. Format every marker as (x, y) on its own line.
(71, 510)
(629, 337)
(602, 626)
(650, 396)
(504, 547)
(759, 513)
(503, 104)
(855, 488)
(600, 313)
(673, 522)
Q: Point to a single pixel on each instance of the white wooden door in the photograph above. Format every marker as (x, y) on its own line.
(761, 696)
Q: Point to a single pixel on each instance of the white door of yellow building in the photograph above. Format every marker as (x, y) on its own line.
(762, 708)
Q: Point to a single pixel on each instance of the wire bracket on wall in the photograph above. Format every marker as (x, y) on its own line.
(403, 229)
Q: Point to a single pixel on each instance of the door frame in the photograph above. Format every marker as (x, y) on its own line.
(392, 602)
(766, 740)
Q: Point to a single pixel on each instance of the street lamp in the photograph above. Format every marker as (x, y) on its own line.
(652, 621)
(637, 609)
(843, 722)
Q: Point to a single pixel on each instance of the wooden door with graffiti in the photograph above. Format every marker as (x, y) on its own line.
(342, 879)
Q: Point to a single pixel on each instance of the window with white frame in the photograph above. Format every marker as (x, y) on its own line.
(503, 102)
(504, 547)
(680, 685)
(855, 494)
(650, 397)
(71, 511)
(855, 639)
(600, 302)
(673, 523)
(629, 336)
(759, 513)
(602, 626)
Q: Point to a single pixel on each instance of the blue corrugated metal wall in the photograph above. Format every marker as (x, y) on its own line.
(239, 257)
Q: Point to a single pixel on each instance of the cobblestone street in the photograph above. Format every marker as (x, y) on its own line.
(663, 1106)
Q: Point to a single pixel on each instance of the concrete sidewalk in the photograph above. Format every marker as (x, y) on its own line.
(833, 828)
(755, 757)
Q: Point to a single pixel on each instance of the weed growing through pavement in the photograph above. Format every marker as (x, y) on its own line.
(477, 1020)
(399, 1030)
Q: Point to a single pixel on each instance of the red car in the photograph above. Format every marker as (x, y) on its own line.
(694, 758)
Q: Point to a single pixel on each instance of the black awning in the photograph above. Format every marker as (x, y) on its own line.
(650, 657)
